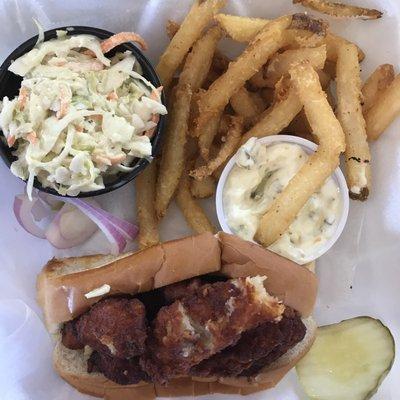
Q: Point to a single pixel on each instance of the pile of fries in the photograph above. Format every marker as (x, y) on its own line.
(281, 83)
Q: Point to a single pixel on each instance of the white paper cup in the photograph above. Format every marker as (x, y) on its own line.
(309, 148)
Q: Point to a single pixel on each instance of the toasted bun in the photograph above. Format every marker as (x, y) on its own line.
(63, 283)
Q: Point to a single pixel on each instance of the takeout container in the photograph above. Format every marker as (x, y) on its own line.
(309, 148)
(10, 84)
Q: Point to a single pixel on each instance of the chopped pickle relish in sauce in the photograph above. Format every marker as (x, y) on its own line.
(260, 173)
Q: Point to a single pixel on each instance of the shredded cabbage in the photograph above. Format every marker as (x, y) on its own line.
(40, 32)
(79, 115)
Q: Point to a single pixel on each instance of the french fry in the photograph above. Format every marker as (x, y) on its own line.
(171, 28)
(208, 134)
(199, 59)
(194, 111)
(298, 38)
(204, 188)
(228, 148)
(339, 9)
(199, 16)
(303, 24)
(276, 118)
(268, 95)
(349, 112)
(241, 29)
(333, 41)
(243, 104)
(266, 43)
(384, 111)
(260, 102)
(324, 78)
(194, 214)
(258, 80)
(282, 62)
(379, 80)
(244, 29)
(192, 77)
(173, 156)
(145, 185)
(319, 166)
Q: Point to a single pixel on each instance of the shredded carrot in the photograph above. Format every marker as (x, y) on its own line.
(65, 99)
(92, 65)
(101, 160)
(23, 97)
(117, 159)
(10, 140)
(154, 118)
(122, 37)
(154, 95)
(32, 137)
(112, 96)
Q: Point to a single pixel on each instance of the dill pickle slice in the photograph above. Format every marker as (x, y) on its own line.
(348, 360)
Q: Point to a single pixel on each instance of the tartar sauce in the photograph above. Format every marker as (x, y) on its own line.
(260, 173)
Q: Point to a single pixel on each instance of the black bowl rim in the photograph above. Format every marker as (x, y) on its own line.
(142, 163)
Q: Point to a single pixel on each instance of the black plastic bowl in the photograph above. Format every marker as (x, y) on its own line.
(10, 85)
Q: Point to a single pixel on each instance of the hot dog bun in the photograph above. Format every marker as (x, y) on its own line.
(63, 283)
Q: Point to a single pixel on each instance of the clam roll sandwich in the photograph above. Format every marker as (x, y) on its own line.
(204, 314)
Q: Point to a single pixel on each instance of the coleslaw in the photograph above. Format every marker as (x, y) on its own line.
(79, 116)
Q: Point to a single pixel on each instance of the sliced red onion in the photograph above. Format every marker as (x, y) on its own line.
(40, 210)
(23, 212)
(69, 228)
(52, 201)
(113, 235)
(74, 223)
(128, 230)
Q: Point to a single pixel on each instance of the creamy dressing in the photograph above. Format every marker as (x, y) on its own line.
(260, 173)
